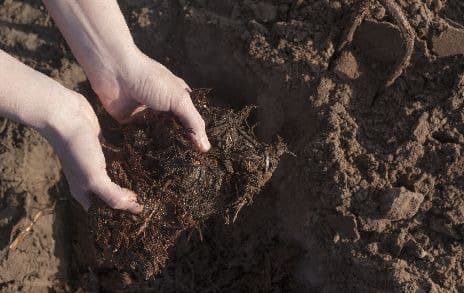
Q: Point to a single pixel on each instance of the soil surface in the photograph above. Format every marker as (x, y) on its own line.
(373, 198)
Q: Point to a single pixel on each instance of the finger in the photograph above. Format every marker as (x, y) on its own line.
(191, 119)
(184, 85)
(81, 196)
(117, 197)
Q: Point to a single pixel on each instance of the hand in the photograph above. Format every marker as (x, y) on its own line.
(142, 84)
(126, 80)
(68, 122)
(73, 131)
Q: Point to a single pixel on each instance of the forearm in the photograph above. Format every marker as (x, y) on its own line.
(96, 32)
(27, 96)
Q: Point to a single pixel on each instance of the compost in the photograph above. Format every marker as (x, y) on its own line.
(179, 187)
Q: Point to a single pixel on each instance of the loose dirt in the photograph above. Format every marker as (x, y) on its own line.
(373, 198)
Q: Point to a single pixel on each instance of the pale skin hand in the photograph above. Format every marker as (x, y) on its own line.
(68, 122)
(126, 81)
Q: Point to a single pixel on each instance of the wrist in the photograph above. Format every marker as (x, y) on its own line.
(109, 63)
(65, 110)
(96, 32)
(111, 66)
(110, 79)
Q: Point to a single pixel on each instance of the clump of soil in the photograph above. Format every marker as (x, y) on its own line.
(178, 186)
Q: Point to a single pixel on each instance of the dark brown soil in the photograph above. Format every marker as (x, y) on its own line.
(179, 187)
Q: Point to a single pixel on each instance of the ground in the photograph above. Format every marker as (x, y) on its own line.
(372, 198)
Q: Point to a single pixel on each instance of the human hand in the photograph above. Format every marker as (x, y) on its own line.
(143, 84)
(73, 131)
(69, 123)
(126, 81)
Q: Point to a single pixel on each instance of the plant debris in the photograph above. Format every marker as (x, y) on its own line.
(179, 187)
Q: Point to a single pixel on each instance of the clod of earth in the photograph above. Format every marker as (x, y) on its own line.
(179, 187)
(407, 33)
(449, 42)
(401, 204)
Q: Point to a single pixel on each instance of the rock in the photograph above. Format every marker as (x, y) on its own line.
(400, 204)
(346, 66)
(449, 43)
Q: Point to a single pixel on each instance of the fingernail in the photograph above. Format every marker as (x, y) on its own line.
(206, 145)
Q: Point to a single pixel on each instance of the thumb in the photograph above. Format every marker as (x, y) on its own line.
(116, 197)
(188, 115)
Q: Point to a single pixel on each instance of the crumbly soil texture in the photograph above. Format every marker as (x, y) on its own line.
(368, 97)
(179, 187)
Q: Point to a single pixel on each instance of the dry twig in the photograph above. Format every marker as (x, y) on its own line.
(146, 222)
(21, 236)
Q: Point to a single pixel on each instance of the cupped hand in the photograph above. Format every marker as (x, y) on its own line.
(140, 83)
(74, 133)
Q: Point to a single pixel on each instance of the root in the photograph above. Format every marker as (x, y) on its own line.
(200, 233)
(21, 236)
(239, 207)
(108, 147)
(408, 35)
(146, 222)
